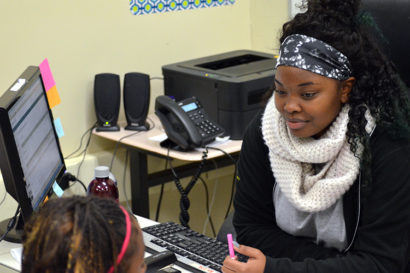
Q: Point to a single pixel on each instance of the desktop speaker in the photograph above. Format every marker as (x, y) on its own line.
(107, 98)
(136, 100)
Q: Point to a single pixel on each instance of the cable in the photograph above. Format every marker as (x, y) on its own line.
(81, 141)
(117, 145)
(161, 193)
(12, 222)
(179, 187)
(124, 175)
(212, 200)
(152, 122)
(184, 201)
(84, 152)
(152, 126)
(207, 206)
(233, 180)
(67, 177)
(4, 197)
(222, 151)
(232, 191)
(82, 184)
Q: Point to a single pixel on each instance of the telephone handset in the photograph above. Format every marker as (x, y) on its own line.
(186, 123)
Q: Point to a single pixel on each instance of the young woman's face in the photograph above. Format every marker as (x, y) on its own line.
(309, 102)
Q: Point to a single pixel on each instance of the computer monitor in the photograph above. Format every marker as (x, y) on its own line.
(30, 154)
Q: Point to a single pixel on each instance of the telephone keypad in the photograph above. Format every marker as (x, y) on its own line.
(205, 126)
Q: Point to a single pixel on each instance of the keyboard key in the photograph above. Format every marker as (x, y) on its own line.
(190, 245)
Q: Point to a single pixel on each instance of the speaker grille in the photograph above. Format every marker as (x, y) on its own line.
(107, 97)
(136, 97)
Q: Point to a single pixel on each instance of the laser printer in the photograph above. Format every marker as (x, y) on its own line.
(231, 86)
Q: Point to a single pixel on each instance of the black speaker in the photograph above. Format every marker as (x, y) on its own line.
(136, 100)
(107, 98)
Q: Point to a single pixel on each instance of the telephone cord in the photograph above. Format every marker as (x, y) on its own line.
(185, 203)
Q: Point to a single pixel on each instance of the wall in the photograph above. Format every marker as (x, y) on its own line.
(266, 23)
(83, 38)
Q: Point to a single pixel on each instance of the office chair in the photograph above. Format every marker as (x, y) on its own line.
(227, 227)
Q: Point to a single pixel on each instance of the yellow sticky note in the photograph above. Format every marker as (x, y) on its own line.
(53, 97)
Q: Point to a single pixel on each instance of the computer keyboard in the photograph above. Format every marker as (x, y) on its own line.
(195, 252)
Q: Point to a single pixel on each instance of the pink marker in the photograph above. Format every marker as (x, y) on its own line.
(230, 246)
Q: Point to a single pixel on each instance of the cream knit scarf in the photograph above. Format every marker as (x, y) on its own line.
(291, 161)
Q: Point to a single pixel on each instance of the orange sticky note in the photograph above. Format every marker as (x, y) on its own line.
(53, 97)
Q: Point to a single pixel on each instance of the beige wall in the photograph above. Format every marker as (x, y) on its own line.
(266, 23)
(83, 38)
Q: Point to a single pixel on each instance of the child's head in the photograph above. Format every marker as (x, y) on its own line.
(83, 234)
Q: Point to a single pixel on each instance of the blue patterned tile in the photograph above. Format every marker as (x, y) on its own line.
(140, 7)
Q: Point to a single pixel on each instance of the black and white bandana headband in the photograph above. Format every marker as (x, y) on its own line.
(313, 55)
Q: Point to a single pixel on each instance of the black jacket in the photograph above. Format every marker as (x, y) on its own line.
(377, 227)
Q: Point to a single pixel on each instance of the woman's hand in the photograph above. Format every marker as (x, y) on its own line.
(255, 264)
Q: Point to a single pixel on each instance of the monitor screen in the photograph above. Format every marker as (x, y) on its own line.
(36, 144)
(31, 159)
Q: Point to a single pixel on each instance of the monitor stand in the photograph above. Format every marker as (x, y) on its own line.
(15, 234)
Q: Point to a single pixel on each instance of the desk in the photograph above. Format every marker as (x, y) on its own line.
(9, 265)
(7, 262)
(140, 145)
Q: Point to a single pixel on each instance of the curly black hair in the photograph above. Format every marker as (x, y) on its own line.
(77, 234)
(378, 87)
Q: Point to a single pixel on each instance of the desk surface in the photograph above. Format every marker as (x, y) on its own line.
(144, 141)
(9, 265)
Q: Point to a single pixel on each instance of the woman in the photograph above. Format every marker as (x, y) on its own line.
(324, 178)
(83, 235)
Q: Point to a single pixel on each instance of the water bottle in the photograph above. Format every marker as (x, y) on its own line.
(102, 185)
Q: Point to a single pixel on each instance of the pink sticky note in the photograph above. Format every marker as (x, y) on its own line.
(48, 79)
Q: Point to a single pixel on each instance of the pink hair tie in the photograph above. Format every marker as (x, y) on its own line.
(126, 239)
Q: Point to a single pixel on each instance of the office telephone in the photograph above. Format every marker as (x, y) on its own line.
(186, 123)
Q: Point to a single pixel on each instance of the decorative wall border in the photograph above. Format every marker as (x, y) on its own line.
(140, 7)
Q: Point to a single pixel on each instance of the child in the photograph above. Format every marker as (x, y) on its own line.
(83, 235)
